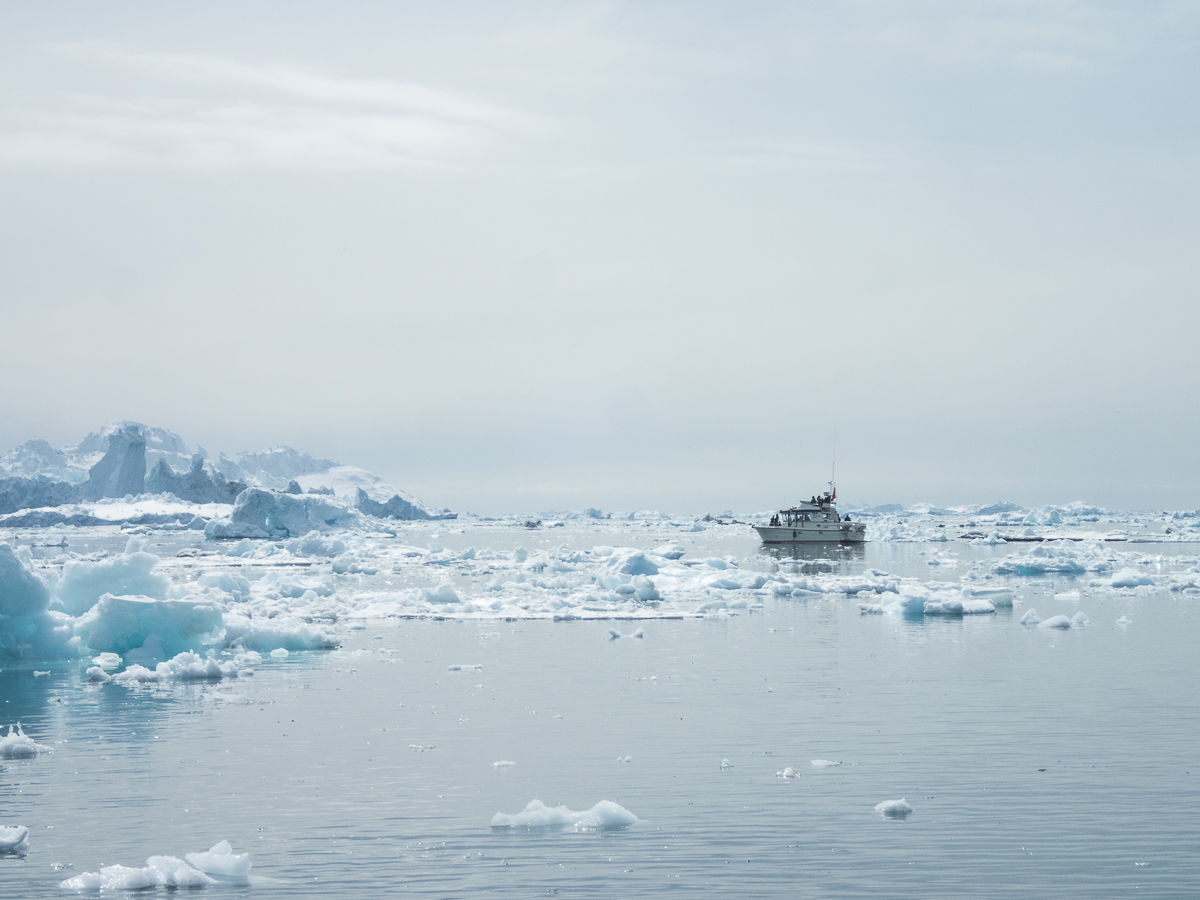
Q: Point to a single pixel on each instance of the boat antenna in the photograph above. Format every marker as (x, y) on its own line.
(833, 467)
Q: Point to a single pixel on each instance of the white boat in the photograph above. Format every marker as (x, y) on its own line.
(814, 521)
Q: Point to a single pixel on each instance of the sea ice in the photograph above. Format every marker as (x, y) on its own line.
(789, 772)
(168, 871)
(1031, 618)
(14, 839)
(221, 860)
(825, 763)
(894, 809)
(84, 582)
(16, 745)
(186, 666)
(162, 628)
(1131, 578)
(604, 816)
(1055, 622)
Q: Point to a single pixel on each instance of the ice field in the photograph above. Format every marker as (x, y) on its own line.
(284, 677)
(597, 705)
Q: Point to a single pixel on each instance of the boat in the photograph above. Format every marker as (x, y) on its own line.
(811, 522)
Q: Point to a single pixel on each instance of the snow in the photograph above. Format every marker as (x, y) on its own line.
(604, 816)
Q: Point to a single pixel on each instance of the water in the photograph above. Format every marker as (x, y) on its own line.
(1037, 763)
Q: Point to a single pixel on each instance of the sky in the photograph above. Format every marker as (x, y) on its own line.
(687, 256)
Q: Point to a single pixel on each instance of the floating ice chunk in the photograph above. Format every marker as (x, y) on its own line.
(946, 607)
(107, 660)
(97, 674)
(14, 839)
(22, 591)
(122, 624)
(187, 666)
(789, 772)
(1067, 597)
(630, 562)
(1000, 597)
(113, 878)
(465, 667)
(441, 595)
(604, 816)
(894, 809)
(716, 562)
(167, 871)
(613, 634)
(825, 763)
(670, 551)
(1131, 578)
(1124, 620)
(726, 764)
(1031, 618)
(16, 745)
(1055, 622)
(1079, 620)
(221, 860)
(624, 759)
(84, 582)
(174, 872)
(503, 763)
(280, 653)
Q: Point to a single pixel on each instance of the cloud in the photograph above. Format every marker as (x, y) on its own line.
(202, 111)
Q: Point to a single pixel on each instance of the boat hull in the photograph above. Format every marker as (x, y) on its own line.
(813, 532)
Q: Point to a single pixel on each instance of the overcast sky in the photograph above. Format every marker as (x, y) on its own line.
(523, 256)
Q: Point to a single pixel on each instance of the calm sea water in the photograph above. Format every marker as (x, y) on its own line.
(1060, 764)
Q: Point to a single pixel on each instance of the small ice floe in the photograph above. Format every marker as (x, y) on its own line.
(726, 764)
(894, 809)
(14, 839)
(168, 871)
(107, 660)
(1131, 578)
(789, 772)
(1079, 620)
(1055, 622)
(613, 634)
(670, 551)
(186, 666)
(39, 674)
(604, 816)
(825, 763)
(1124, 620)
(503, 764)
(221, 860)
(98, 675)
(624, 759)
(465, 667)
(1031, 618)
(1067, 597)
(280, 653)
(16, 745)
(999, 597)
